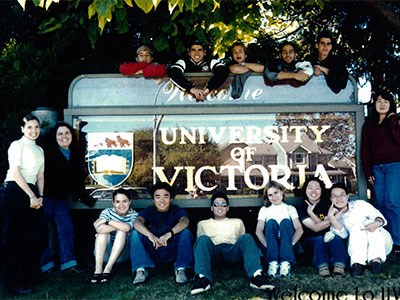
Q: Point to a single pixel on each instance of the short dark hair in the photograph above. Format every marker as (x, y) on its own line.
(326, 34)
(192, 42)
(28, 118)
(219, 195)
(162, 186)
(339, 185)
(121, 191)
(283, 44)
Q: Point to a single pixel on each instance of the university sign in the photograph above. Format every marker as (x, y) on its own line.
(270, 133)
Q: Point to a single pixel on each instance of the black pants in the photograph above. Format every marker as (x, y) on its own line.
(24, 236)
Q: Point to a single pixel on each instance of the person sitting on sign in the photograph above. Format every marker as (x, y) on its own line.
(286, 70)
(328, 65)
(198, 62)
(161, 237)
(144, 65)
(224, 239)
(112, 229)
(241, 68)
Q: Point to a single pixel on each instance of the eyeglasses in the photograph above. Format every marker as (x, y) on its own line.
(338, 196)
(220, 204)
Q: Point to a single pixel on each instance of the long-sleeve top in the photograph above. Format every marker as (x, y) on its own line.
(25, 154)
(338, 75)
(149, 69)
(380, 143)
(62, 176)
(360, 213)
(220, 71)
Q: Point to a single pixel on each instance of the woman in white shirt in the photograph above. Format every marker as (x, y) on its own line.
(278, 229)
(24, 225)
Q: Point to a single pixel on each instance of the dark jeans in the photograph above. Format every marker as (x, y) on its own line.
(24, 231)
(334, 252)
(244, 250)
(57, 212)
(178, 250)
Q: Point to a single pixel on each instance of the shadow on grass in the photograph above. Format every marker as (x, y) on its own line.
(229, 283)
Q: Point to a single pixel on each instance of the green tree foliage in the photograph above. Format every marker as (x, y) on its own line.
(372, 53)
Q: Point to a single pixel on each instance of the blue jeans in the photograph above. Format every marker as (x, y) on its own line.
(179, 251)
(57, 212)
(334, 252)
(386, 187)
(206, 253)
(279, 239)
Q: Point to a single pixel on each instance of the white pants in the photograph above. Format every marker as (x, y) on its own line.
(365, 246)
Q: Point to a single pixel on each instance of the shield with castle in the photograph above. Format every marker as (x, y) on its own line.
(110, 157)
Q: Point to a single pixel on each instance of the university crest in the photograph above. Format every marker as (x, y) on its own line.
(110, 157)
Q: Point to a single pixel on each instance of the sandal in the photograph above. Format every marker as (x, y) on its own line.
(96, 278)
(106, 278)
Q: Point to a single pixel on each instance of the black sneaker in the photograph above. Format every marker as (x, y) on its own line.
(200, 284)
(357, 269)
(376, 267)
(261, 282)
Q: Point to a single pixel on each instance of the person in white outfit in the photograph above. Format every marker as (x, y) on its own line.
(362, 223)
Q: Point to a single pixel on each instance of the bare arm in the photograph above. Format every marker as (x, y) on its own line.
(245, 67)
(181, 225)
(316, 227)
(298, 230)
(260, 232)
(101, 226)
(139, 225)
(300, 76)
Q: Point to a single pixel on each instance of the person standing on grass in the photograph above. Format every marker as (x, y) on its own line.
(112, 230)
(224, 239)
(278, 229)
(369, 242)
(380, 154)
(313, 215)
(161, 237)
(62, 164)
(24, 228)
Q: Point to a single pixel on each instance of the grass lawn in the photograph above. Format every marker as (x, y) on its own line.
(230, 283)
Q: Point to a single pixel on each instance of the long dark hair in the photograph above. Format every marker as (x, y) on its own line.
(321, 184)
(374, 115)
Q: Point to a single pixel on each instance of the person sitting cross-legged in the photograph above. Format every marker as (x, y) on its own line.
(161, 237)
(221, 238)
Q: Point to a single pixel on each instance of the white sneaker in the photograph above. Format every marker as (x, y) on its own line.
(140, 277)
(180, 276)
(273, 268)
(329, 236)
(284, 269)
